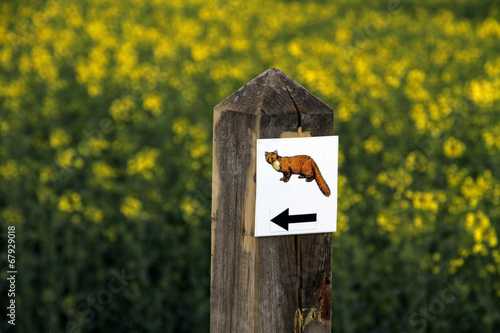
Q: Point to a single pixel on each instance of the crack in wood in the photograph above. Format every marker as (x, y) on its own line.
(299, 121)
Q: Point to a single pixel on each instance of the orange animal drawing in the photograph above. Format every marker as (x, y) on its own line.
(302, 165)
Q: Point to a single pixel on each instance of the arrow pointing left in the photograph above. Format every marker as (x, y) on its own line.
(284, 219)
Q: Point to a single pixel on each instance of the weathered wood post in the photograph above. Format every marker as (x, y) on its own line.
(268, 284)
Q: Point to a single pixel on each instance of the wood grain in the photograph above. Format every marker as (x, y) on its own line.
(259, 284)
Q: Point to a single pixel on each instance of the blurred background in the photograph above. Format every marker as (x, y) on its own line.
(105, 155)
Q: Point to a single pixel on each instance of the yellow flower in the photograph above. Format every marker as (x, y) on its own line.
(346, 110)
(454, 176)
(152, 102)
(46, 195)
(143, 163)
(489, 27)
(25, 64)
(457, 205)
(59, 138)
(454, 264)
(126, 58)
(343, 35)
(70, 202)
(4, 127)
(475, 190)
(10, 171)
(131, 207)
(418, 223)
(373, 145)
(199, 150)
(483, 92)
(453, 148)
(47, 173)
(415, 77)
(492, 238)
(180, 126)
(122, 107)
(44, 64)
(94, 146)
(13, 216)
(425, 201)
(103, 170)
(419, 116)
(188, 207)
(491, 138)
(478, 224)
(342, 222)
(68, 159)
(388, 221)
(93, 214)
(479, 249)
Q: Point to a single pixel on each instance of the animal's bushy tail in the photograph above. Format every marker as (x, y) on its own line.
(323, 186)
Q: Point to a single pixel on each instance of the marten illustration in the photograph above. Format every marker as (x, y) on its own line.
(302, 165)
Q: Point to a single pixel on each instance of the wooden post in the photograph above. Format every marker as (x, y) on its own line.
(268, 284)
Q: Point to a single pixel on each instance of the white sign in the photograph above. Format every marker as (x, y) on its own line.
(296, 186)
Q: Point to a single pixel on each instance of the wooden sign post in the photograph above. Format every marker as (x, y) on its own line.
(268, 284)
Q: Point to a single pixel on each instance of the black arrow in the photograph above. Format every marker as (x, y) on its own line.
(283, 219)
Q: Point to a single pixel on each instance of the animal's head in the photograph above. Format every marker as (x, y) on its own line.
(271, 157)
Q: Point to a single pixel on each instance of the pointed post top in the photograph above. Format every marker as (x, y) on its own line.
(273, 92)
